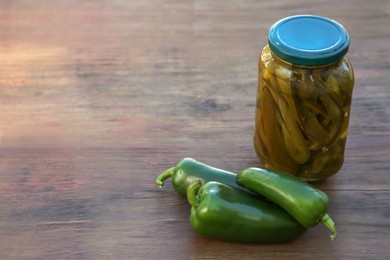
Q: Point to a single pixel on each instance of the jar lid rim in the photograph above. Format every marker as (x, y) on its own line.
(308, 40)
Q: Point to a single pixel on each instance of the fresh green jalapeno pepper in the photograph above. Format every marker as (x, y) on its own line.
(304, 202)
(222, 212)
(188, 170)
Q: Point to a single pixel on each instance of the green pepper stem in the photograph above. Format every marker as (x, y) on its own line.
(163, 176)
(192, 192)
(328, 222)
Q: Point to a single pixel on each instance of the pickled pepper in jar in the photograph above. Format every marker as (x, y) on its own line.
(304, 95)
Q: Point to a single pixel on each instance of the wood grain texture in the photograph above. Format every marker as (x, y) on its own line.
(99, 97)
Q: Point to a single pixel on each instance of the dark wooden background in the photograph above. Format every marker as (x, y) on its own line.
(99, 97)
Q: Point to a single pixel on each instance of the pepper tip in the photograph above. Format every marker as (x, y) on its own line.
(159, 183)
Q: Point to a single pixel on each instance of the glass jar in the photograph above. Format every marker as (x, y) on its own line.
(304, 96)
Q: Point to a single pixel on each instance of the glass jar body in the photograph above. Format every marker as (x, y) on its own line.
(302, 116)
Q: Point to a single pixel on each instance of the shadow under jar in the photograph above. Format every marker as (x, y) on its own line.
(304, 97)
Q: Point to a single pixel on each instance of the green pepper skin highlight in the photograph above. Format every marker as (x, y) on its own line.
(222, 212)
(189, 170)
(304, 202)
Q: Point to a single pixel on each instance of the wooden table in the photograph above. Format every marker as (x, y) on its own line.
(99, 97)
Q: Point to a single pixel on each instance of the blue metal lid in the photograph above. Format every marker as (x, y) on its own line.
(308, 40)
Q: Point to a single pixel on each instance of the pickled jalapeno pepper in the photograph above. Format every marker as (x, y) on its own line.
(304, 97)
